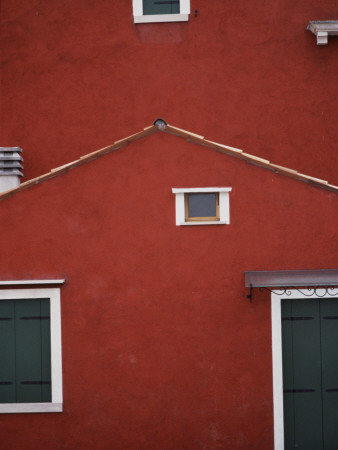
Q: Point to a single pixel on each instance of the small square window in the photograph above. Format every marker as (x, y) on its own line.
(161, 10)
(202, 206)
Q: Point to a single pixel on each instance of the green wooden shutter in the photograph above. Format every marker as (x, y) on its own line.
(46, 393)
(161, 7)
(302, 374)
(329, 341)
(310, 373)
(7, 352)
(31, 352)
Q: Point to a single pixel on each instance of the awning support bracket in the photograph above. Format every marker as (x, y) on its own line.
(319, 291)
(249, 296)
(309, 283)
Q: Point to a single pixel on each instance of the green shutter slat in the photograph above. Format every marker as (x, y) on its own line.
(7, 352)
(305, 387)
(30, 351)
(161, 7)
(329, 343)
(288, 373)
(45, 351)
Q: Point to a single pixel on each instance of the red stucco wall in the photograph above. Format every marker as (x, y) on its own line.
(78, 75)
(161, 347)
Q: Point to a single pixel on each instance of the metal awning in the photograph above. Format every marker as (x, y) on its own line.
(289, 278)
(285, 279)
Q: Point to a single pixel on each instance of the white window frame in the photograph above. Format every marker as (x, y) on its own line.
(56, 359)
(224, 205)
(277, 358)
(139, 17)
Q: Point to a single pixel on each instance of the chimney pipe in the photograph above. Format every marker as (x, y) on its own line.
(10, 165)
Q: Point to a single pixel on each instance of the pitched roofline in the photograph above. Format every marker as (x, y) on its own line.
(161, 125)
(251, 159)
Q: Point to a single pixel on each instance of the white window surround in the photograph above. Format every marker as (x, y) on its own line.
(139, 17)
(277, 362)
(56, 361)
(224, 208)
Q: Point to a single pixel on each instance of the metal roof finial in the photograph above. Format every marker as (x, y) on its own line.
(160, 124)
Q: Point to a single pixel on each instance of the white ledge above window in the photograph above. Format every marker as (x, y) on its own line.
(202, 206)
(323, 29)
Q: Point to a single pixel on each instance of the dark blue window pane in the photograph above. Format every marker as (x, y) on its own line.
(202, 205)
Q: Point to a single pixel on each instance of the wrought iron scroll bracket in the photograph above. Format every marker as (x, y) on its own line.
(319, 291)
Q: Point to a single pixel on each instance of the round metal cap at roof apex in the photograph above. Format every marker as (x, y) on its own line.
(160, 124)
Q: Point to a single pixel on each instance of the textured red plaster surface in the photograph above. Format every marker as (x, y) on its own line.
(78, 75)
(161, 348)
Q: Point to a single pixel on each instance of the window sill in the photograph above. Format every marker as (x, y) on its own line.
(151, 18)
(204, 222)
(30, 407)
